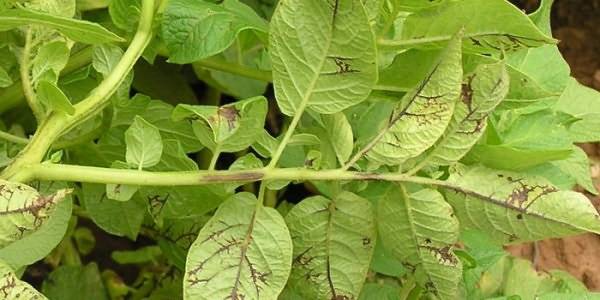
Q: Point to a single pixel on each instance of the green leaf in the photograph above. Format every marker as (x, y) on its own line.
(49, 94)
(120, 192)
(510, 207)
(423, 114)
(583, 103)
(333, 245)
(432, 27)
(51, 58)
(243, 252)
(545, 64)
(482, 91)
(14, 288)
(5, 79)
(323, 55)
(523, 141)
(159, 114)
(125, 13)
(339, 132)
(77, 30)
(229, 128)
(75, 282)
(193, 30)
(379, 291)
(24, 210)
(420, 229)
(577, 166)
(115, 217)
(144, 144)
(40, 243)
(105, 58)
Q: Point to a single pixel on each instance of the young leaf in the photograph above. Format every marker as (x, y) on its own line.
(510, 207)
(243, 252)
(583, 103)
(229, 128)
(431, 27)
(14, 288)
(144, 144)
(420, 229)
(424, 113)
(193, 30)
(323, 55)
(333, 245)
(125, 13)
(105, 58)
(50, 59)
(77, 30)
(24, 210)
(5, 79)
(339, 132)
(482, 91)
(49, 94)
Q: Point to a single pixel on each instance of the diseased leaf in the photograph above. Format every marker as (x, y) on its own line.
(482, 91)
(120, 192)
(243, 252)
(144, 144)
(77, 30)
(510, 29)
(421, 230)
(40, 243)
(333, 245)
(229, 128)
(193, 30)
(24, 210)
(423, 114)
(512, 208)
(323, 55)
(14, 288)
(340, 134)
(49, 94)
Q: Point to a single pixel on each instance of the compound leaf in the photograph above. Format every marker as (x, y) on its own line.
(424, 113)
(482, 91)
(144, 144)
(510, 29)
(420, 229)
(333, 245)
(193, 29)
(24, 210)
(77, 30)
(510, 207)
(323, 55)
(229, 128)
(243, 252)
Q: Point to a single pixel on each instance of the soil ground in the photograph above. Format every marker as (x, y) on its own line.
(577, 25)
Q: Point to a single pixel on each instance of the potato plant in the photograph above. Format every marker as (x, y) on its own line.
(305, 149)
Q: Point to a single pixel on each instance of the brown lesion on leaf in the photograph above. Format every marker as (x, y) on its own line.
(366, 241)
(427, 118)
(230, 114)
(156, 203)
(444, 254)
(343, 64)
(10, 282)
(258, 278)
(466, 94)
(524, 195)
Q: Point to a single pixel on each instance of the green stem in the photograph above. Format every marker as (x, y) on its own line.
(57, 122)
(59, 172)
(13, 138)
(222, 65)
(214, 159)
(288, 135)
(34, 105)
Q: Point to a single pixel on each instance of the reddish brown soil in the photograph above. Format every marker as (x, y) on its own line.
(578, 27)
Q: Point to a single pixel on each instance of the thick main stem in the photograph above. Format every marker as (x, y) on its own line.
(58, 123)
